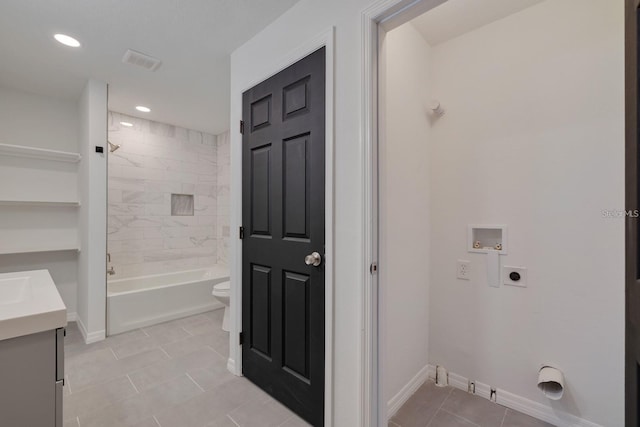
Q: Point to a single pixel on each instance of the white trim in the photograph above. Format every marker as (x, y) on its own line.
(385, 15)
(231, 365)
(540, 411)
(72, 317)
(89, 338)
(407, 391)
(234, 364)
(521, 404)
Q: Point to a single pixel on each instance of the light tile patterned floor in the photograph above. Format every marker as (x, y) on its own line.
(433, 406)
(169, 375)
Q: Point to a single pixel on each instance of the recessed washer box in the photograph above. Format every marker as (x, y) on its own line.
(487, 238)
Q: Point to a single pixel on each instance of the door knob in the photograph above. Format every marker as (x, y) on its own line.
(313, 259)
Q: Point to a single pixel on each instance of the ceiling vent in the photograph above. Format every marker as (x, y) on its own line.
(141, 60)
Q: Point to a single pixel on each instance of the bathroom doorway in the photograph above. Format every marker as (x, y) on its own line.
(479, 126)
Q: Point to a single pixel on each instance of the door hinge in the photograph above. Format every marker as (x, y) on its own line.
(241, 233)
(241, 338)
(373, 268)
(242, 127)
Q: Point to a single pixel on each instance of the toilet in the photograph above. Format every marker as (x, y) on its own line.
(222, 292)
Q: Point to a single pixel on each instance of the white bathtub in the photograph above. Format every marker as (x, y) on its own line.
(146, 300)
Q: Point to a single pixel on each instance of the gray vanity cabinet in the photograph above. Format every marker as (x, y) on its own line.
(31, 379)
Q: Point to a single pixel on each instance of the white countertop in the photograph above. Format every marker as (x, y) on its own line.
(29, 303)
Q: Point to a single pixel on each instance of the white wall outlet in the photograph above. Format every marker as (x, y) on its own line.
(463, 269)
(514, 276)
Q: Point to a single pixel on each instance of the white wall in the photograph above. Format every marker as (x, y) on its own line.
(156, 160)
(404, 169)
(38, 121)
(43, 122)
(93, 212)
(533, 137)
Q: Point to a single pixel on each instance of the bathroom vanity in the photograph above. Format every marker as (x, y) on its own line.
(32, 321)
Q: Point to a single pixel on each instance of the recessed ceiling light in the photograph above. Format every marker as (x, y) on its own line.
(127, 124)
(67, 40)
(143, 109)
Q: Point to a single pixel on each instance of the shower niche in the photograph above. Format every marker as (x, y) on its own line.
(487, 238)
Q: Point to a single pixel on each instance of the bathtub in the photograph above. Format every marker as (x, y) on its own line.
(146, 300)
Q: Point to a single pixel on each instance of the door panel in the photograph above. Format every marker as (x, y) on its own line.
(297, 191)
(261, 310)
(632, 274)
(295, 356)
(283, 209)
(260, 185)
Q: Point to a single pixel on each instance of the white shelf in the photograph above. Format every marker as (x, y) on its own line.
(26, 250)
(38, 153)
(38, 203)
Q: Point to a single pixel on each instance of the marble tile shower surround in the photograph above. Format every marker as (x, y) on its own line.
(224, 204)
(154, 161)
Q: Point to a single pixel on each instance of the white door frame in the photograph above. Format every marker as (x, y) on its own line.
(325, 39)
(381, 17)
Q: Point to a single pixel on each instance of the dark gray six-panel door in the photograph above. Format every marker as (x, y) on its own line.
(283, 214)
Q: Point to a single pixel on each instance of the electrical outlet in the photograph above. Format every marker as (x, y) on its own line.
(463, 269)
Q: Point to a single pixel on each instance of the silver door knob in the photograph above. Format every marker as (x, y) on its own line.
(313, 259)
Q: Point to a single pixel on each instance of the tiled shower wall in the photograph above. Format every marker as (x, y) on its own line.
(154, 161)
(223, 185)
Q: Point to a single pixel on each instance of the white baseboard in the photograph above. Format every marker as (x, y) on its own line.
(72, 317)
(519, 403)
(231, 366)
(540, 411)
(90, 338)
(407, 391)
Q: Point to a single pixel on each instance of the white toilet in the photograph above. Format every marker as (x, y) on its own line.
(222, 292)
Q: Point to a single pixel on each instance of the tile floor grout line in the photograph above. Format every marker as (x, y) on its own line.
(145, 332)
(78, 420)
(215, 351)
(134, 386)
(232, 420)
(156, 420)
(194, 381)
(504, 417)
(439, 407)
(68, 383)
(189, 333)
(114, 353)
(284, 422)
(165, 352)
(461, 417)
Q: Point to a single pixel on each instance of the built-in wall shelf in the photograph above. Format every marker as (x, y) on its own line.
(38, 203)
(38, 153)
(27, 250)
